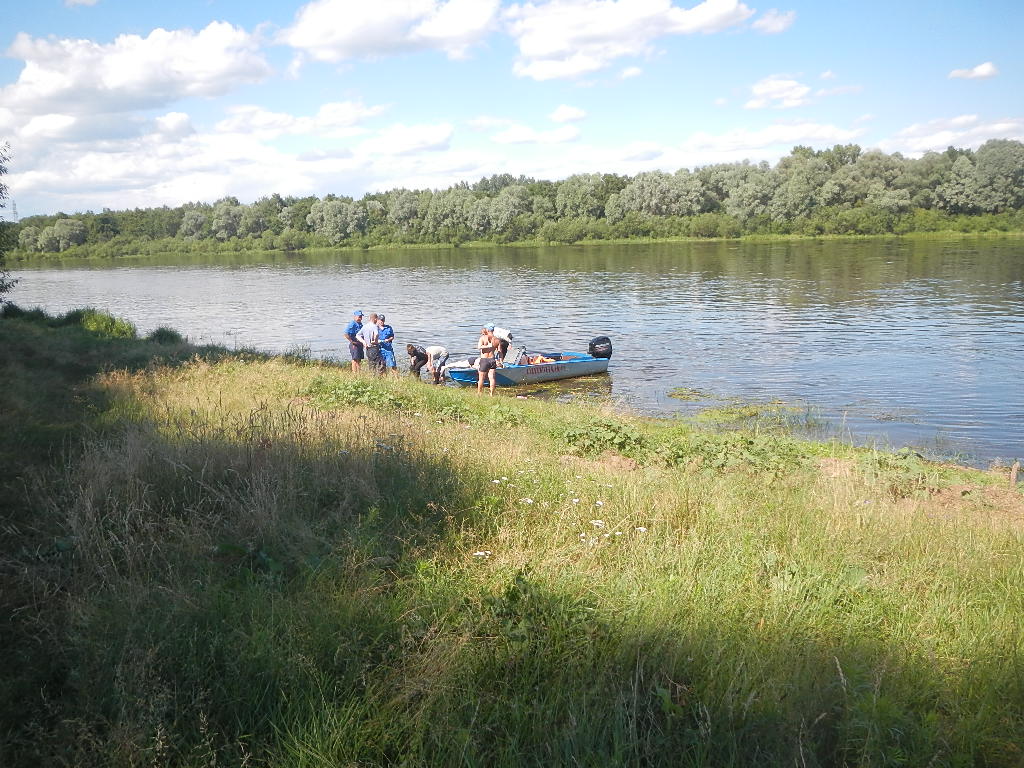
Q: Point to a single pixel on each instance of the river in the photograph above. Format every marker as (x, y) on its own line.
(890, 342)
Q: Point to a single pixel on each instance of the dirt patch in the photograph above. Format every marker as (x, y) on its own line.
(836, 467)
(993, 501)
(607, 461)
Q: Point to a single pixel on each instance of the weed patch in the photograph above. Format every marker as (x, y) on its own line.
(332, 392)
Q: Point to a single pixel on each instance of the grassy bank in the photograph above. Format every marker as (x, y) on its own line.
(178, 246)
(216, 558)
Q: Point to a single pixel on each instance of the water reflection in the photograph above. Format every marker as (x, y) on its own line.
(899, 341)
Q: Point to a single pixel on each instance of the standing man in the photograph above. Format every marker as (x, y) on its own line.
(488, 346)
(369, 337)
(386, 334)
(355, 347)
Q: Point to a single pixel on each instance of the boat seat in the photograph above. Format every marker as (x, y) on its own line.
(514, 356)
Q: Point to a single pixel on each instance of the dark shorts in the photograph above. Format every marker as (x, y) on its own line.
(356, 350)
(485, 364)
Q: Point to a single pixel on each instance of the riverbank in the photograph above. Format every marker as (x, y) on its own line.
(236, 246)
(219, 556)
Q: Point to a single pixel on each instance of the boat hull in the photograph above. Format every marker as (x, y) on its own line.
(566, 367)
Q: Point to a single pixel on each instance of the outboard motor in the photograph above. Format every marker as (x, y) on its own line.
(601, 346)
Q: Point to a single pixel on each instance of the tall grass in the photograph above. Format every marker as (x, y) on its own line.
(274, 562)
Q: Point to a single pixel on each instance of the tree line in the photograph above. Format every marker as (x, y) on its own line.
(841, 190)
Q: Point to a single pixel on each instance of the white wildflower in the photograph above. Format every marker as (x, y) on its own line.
(639, 529)
(598, 503)
(527, 501)
(496, 482)
(482, 553)
(618, 533)
(575, 501)
(597, 523)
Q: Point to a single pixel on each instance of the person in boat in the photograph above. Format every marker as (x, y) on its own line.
(386, 334)
(538, 359)
(488, 346)
(369, 337)
(355, 348)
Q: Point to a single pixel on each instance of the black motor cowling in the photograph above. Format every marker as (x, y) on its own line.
(601, 346)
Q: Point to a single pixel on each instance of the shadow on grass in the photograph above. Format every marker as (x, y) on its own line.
(268, 589)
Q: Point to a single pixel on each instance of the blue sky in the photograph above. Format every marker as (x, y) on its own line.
(125, 104)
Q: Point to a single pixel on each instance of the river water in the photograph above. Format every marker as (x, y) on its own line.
(897, 342)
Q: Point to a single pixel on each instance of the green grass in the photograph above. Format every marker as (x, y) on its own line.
(218, 558)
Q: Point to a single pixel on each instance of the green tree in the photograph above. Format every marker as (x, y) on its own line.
(193, 225)
(69, 232)
(28, 238)
(227, 215)
(999, 175)
(960, 194)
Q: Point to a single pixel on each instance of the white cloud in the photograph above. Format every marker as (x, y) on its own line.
(335, 30)
(752, 143)
(335, 120)
(721, 101)
(569, 38)
(839, 90)
(828, 74)
(629, 72)
(486, 122)
(567, 114)
(522, 134)
(779, 92)
(980, 72)
(402, 139)
(73, 3)
(132, 72)
(774, 21)
(965, 131)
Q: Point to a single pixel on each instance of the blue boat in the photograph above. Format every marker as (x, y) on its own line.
(563, 365)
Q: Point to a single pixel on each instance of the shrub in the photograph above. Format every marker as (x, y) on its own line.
(330, 393)
(734, 451)
(100, 323)
(165, 335)
(603, 435)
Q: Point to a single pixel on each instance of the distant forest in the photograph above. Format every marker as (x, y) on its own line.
(839, 191)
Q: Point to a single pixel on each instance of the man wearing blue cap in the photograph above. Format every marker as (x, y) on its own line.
(355, 347)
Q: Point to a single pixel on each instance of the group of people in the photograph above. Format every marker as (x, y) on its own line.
(372, 341)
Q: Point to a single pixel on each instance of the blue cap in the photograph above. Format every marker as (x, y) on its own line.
(489, 327)
(357, 313)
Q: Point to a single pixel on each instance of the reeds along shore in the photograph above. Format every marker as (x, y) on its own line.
(221, 558)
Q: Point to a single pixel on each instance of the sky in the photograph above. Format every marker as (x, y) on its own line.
(122, 104)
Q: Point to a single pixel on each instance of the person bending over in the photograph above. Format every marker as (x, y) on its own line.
(417, 358)
(437, 356)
